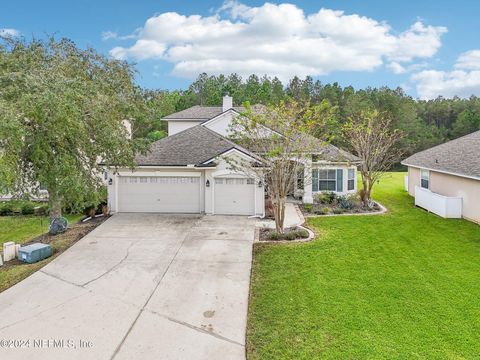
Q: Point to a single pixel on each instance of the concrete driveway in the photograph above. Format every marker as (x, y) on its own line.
(140, 286)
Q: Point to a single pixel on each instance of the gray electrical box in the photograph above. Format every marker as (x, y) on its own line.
(34, 253)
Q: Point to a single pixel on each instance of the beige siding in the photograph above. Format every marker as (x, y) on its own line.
(468, 189)
(413, 179)
(175, 127)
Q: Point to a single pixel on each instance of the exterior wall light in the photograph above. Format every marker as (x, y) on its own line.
(260, 184)
(207, 184)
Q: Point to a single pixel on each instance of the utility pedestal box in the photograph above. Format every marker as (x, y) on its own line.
(34, 253)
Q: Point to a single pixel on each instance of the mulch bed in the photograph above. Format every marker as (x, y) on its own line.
(289, 234)
(329, 209)
(60, 242)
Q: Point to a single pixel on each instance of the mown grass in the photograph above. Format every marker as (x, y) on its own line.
(401, 285)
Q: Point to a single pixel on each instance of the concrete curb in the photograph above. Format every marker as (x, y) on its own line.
(382, 210)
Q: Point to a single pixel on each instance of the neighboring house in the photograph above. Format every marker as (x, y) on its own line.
(446, 178)
(186, 172)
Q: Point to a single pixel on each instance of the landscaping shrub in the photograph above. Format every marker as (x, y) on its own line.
(291, 235)
(6, 209)
(346, 203)
(27, 209)
(338, 211)
(322, 211)
(308, 207)
(302, 234)
(274, 235)
(325, 198)
(288, 235)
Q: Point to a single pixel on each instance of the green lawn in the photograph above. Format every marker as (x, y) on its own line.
(23, 228)
(403, 285)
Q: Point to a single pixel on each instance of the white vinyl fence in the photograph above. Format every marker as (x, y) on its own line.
(444, 206)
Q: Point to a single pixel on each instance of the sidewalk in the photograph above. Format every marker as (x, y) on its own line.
(293, 217)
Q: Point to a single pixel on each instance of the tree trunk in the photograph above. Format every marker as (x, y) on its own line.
(364, 191)
(55, 204)
(279, 213)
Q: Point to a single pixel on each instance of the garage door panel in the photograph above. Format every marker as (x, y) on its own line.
(234, 196)
(159, 194)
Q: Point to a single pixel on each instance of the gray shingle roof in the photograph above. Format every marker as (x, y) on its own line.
(321, 150)
(192, 146)
(460, 156)
(329, 152)
(199, 112)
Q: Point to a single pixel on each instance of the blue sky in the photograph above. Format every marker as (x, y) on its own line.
(437, 56)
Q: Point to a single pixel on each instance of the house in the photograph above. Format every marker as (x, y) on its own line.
(445, 179)
(187, 172)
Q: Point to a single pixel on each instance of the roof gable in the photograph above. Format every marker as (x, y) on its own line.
(200, 113)
(193, 146)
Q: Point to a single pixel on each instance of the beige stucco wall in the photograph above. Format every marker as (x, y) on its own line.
(413, 179)
(454, 186)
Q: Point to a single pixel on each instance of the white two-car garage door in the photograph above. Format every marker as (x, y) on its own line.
(234, 196)
(162, 194)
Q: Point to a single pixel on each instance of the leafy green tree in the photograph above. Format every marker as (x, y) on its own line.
(283, 152)
(467, 122)
(61, 113)
(156, 135)
(370, 134)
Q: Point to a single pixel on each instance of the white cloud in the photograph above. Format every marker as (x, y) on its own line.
(396, 68)
(9, 32)
(463, 81)
(469, 60)
(278, 40)
(108, 35)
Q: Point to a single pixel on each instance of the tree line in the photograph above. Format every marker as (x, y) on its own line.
(424, 123)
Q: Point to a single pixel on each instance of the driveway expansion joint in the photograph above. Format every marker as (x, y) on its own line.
(196, 328)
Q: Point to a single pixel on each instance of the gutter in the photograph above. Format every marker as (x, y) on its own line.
(441, 171)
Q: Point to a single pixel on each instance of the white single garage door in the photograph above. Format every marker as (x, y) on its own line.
(162, 194)
(234, 196)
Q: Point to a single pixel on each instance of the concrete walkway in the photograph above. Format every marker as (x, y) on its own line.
(140, 286)
(293, 217)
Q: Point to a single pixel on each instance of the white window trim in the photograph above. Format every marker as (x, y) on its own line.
(354, 178)
(327, 179)
(422, 171)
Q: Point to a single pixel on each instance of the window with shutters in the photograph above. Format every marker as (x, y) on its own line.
(327, 180)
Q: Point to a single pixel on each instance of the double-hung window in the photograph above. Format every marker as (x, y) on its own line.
(351, 179)
(425, 179)
(327, 180)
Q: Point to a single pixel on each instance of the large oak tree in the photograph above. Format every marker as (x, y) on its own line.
(61, 112)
